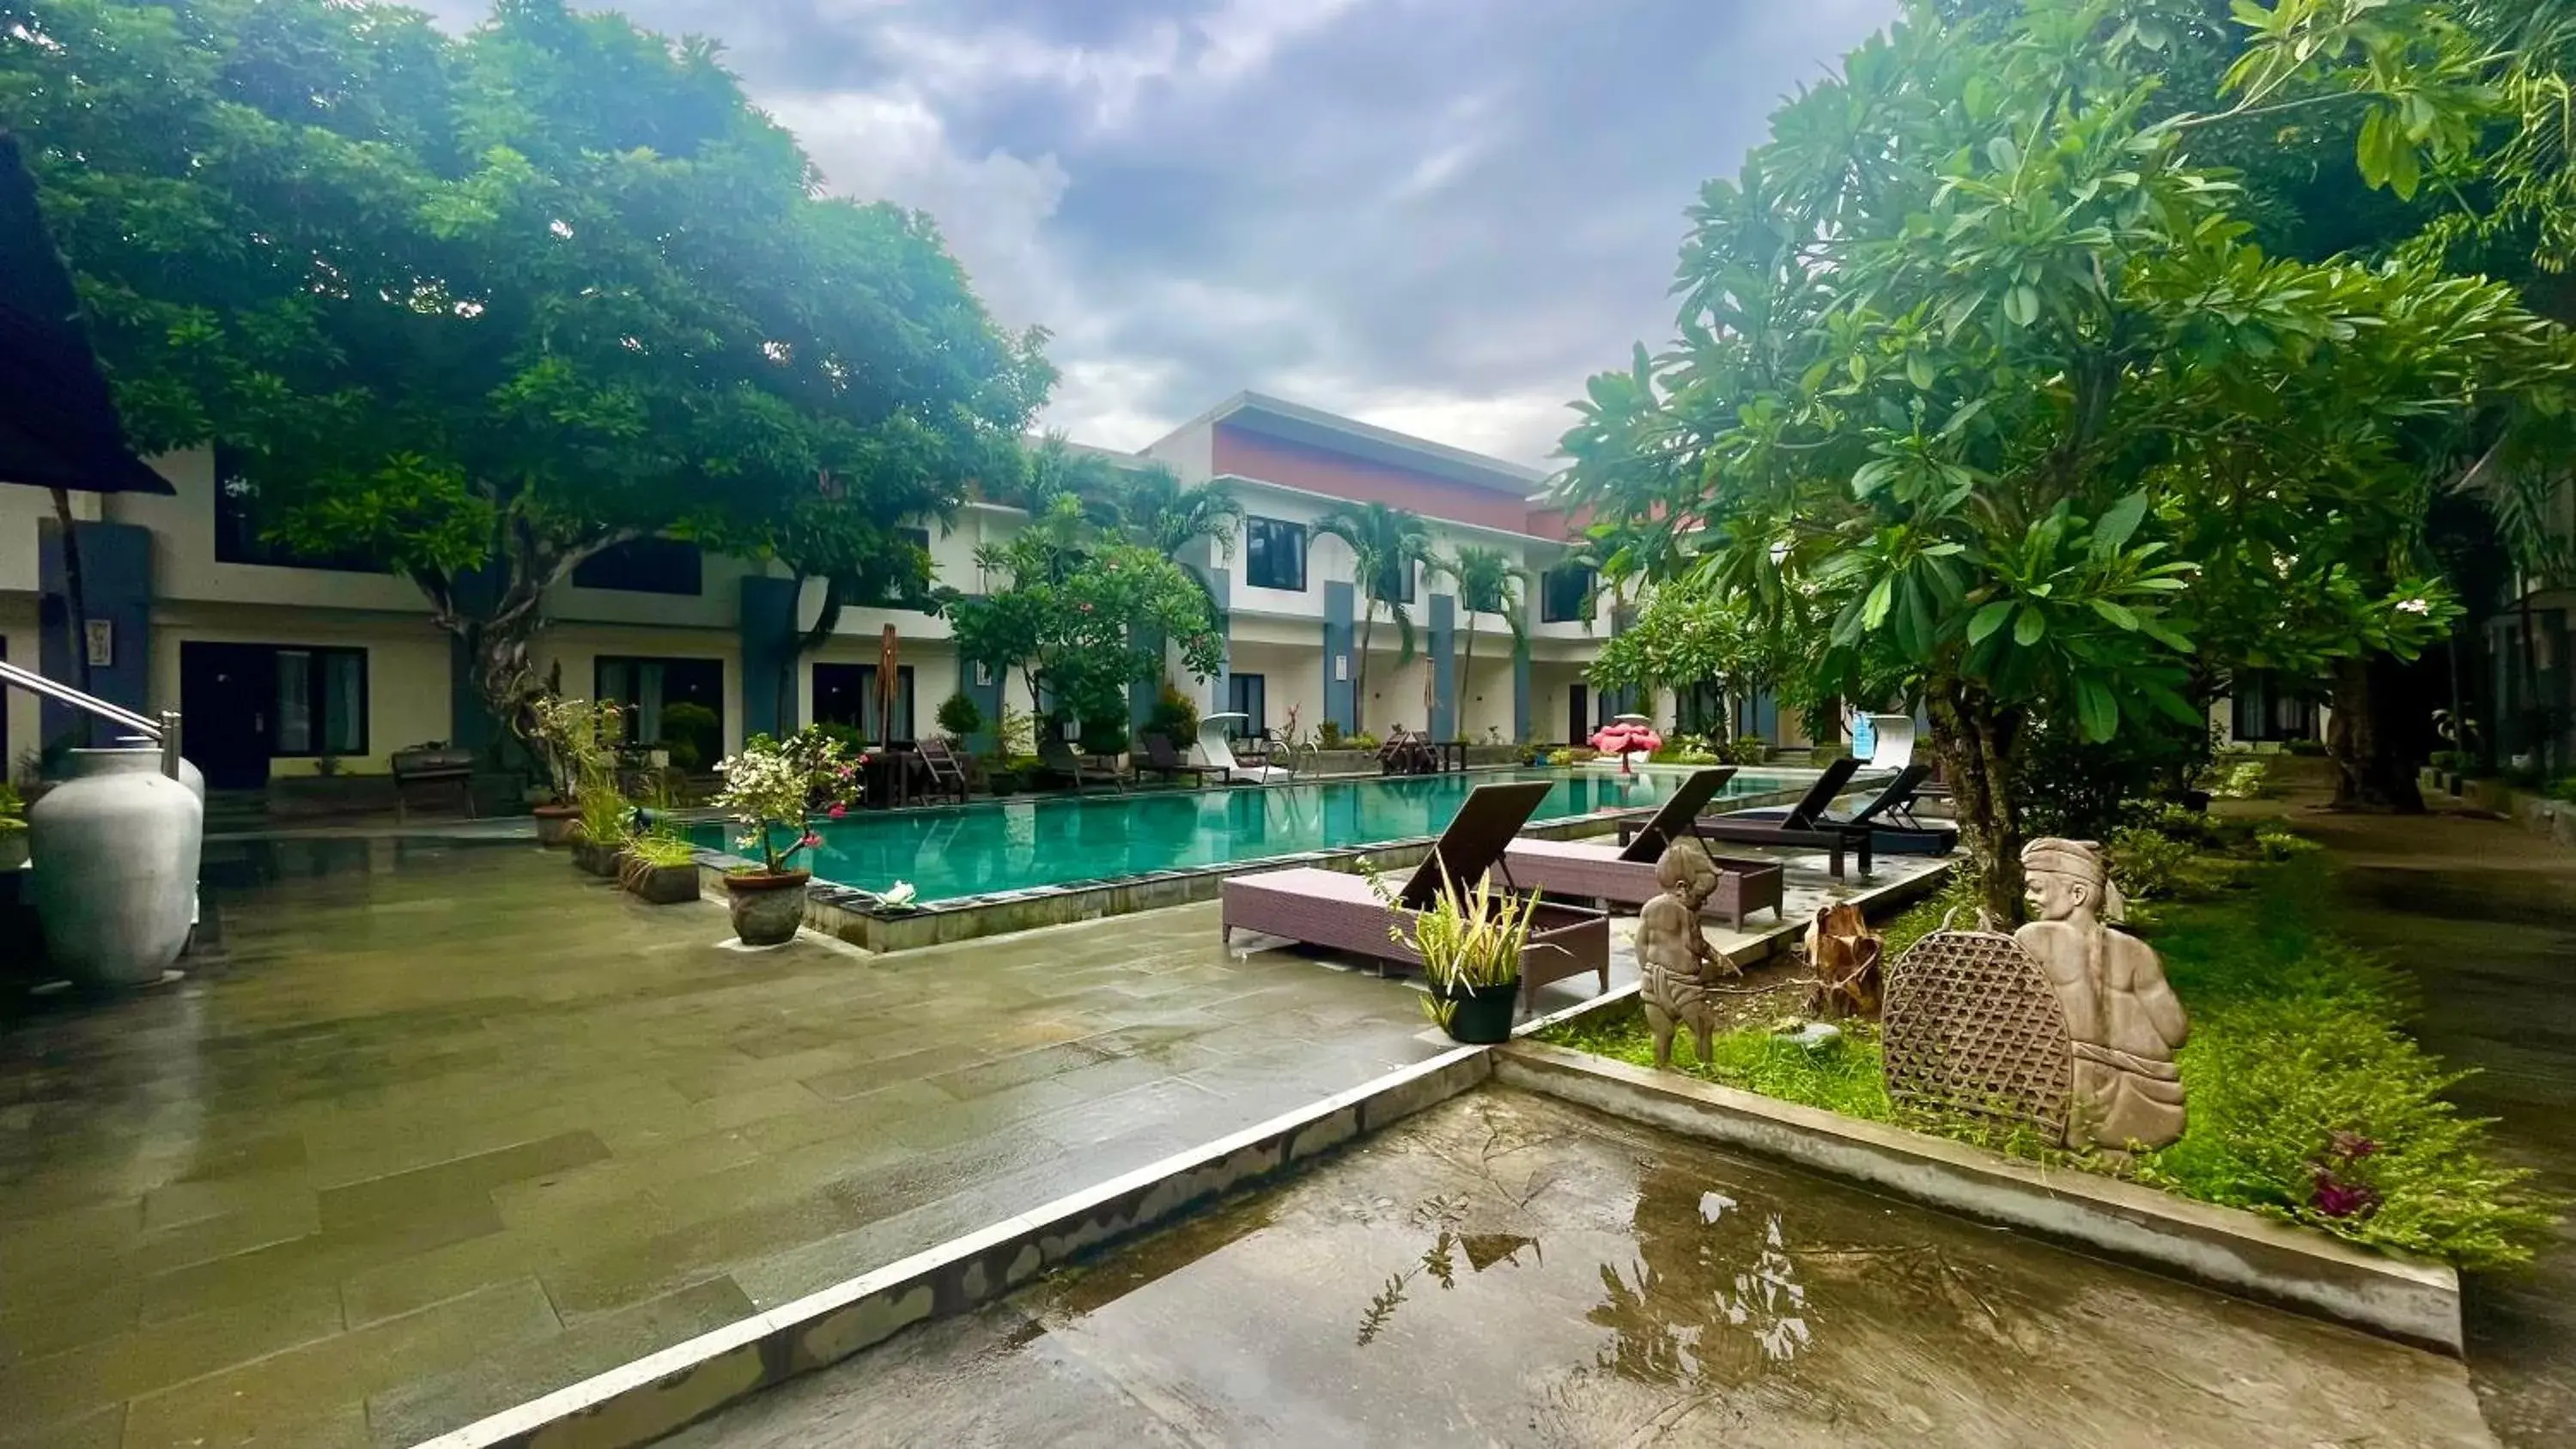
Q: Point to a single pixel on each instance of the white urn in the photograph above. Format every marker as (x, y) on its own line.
(114, 853)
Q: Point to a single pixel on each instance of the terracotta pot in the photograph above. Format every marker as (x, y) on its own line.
(664, 885)
(555, 825)
(767, 909)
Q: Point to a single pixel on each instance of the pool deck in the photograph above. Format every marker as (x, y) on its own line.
(1503, 1269)
(445, 1125)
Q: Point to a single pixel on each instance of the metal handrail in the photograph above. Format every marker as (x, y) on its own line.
(163, 731)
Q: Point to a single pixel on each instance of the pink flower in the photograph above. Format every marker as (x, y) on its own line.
(837, 811)
(811, 840)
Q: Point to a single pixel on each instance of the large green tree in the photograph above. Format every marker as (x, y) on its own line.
(482, 307)
(1975, 354)
(1079, 613)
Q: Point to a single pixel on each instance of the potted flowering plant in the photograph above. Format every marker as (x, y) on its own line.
(767, 789)
(577, 740)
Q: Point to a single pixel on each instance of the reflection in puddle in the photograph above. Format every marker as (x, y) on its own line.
(1711, 1298)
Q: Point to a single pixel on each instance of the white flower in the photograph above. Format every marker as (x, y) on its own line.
(2414, 606)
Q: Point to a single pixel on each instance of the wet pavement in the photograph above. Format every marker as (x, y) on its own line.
(2483, 915)
(1505, 1269)
(444, 1127)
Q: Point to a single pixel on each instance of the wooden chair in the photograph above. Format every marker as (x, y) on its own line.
(947, 772)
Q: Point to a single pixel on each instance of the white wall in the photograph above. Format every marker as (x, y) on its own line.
(184, 566)
(409, 700)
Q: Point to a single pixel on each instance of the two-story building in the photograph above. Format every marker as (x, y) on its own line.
(280, 663)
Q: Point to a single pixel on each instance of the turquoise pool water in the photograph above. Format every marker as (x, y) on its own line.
(1015, 844)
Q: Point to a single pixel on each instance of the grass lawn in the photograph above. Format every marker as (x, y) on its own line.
(2308, 1101)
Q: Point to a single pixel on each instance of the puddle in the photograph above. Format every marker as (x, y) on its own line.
(1507, 1270)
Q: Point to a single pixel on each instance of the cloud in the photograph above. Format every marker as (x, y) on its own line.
(1436, 215)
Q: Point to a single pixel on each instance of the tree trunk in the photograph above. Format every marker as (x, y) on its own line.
(2370, 772)
(1974, 737)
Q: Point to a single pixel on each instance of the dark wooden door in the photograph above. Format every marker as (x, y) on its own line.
(227, 696)
(1578, 726)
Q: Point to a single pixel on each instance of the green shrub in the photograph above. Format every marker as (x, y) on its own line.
(13, 809)
(693, 735)
(846, 736)
(1746, 750)
(2309, 748)
(1175, 716)
(1360, 741)
(1560, 758)
(1328, 735)
(2563, 788)
(1685, 749)
(2300, 1079)
(959, 716)
(658, 852)
(2151, 865)
(1104, 737)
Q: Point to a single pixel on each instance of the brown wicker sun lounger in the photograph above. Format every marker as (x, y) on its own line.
(1163, 759)
(1337, 910)
(1624, 874)
(1058, 759)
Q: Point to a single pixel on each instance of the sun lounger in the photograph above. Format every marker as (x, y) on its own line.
(1889, 818)
(1163, 760)
(1801, 827)
(1624, 874)
(1338, 910)
(1059, 759)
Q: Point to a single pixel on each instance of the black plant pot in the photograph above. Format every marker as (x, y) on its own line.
(1480, 1015)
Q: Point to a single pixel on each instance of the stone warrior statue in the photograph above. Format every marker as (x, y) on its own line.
(2121, 1017)
(1675, 961)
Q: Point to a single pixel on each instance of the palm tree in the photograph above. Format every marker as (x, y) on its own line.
(1488, 582)
(1386, 543)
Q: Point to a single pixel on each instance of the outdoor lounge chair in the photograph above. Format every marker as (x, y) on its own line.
(1220, 752)
(1625, 874)
(1059, 759)
(1163, 760)
(1889, 818)
(1803, 824)
(947, 772)
(1337, 910)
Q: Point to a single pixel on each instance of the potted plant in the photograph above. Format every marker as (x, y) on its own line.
(1470, 942)
(661, 868)
(959, 718)
(766, 790)
(576, 741)
(602, 830)
(13, 827)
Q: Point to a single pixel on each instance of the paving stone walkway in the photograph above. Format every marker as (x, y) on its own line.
(2483, 915)
(448, 1126)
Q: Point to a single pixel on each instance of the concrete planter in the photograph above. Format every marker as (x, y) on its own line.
(115, 884)
(555, 824)
(598, 860)
(767, 909)
(663, 885)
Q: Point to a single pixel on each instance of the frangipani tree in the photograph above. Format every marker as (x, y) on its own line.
(1972, 355)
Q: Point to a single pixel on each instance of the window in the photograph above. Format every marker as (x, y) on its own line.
(1274, 554)
(644, 566)
(1248, 695)
(2263, 710)
(321, 703)
(241, 520)
(674, 703)
(846, 694)
(900, 591)
(1405, 585)
(1565, 595)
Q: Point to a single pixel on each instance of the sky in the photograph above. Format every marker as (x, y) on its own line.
(1438, 216)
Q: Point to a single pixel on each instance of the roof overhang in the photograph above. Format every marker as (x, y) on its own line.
(1295, 423)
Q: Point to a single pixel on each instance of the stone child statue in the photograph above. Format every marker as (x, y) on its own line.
(1675, 961)
(2121, 1017)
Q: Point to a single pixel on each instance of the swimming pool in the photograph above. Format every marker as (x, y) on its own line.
(1011, 845)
